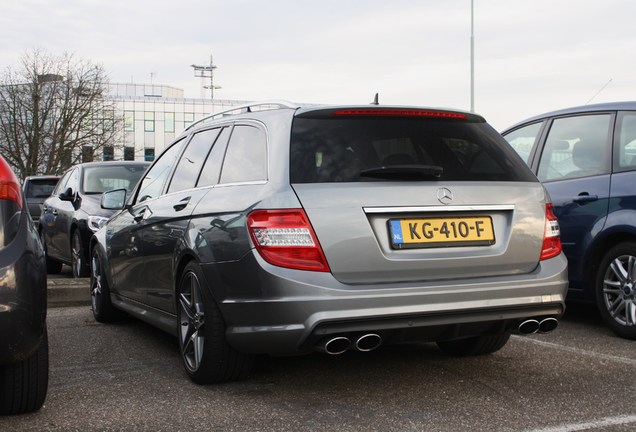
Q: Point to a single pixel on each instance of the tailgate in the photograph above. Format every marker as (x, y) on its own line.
(388, 232)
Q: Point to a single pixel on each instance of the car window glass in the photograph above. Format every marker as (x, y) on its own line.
(98, 179)
(523, 139)
(212, 168)
(187, 171)
(73, 181)
(61, 185)
(627, 146)
(325, 150)
(154, 180)
(246, 156)
(576, 147)
(40, 188)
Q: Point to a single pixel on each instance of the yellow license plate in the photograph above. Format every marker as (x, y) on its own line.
(441, 231)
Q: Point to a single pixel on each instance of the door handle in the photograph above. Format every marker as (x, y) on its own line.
(584, 198)
(182, 204)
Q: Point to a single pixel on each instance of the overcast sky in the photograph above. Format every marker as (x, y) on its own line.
(531, 56)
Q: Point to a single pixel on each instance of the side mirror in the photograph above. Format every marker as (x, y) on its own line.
(114, 199)
(67, 195)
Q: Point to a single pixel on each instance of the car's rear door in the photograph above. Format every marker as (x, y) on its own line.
(574, 165)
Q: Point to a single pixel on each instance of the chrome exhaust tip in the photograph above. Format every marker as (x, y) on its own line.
(548, 325)
(368, 342)
(336, 345)
(529, 327)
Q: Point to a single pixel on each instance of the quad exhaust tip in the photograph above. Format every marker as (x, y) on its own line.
(340, 344)
(532, 326)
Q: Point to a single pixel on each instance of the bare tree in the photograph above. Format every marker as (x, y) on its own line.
(54, 112)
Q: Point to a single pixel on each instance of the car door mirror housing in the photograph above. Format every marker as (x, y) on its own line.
(67, 195)
(114, 199)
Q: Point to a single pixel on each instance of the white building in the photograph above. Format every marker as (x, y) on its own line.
(153, 115)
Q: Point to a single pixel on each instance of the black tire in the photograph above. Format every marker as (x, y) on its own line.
(206, 355)
(23, 385)
(52, 266)
(473, 346)
(78, 256)
(103, 309)
(615, 287)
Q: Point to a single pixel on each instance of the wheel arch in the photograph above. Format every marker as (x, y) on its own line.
(600, 246)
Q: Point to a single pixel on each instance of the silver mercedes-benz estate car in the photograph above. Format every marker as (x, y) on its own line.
(282, 229)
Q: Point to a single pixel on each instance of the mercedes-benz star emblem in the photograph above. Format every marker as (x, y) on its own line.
(445, 196)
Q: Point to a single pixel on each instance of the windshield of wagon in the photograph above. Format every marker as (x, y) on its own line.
(99, 179)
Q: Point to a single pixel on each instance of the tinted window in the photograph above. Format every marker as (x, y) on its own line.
(154, 180)
(41, 188)
(337, 150)
(212, 169)
(576, 147)
(627, 143)
(187, 172)
(99, 179)
(61, 185)
(522, 140)
(246, 156)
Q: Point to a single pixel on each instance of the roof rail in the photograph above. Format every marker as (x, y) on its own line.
(260, 106)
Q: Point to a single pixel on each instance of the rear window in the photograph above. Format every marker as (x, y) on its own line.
(40, 188)
(334, 149)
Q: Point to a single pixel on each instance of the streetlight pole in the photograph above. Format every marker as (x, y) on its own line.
(472, 57)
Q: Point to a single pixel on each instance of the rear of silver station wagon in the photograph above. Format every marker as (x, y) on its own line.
(292, 230)
(409, 225)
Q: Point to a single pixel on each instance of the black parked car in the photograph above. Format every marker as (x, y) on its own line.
(24, 361)
(36, 190)
(586, 158)
(73, 213)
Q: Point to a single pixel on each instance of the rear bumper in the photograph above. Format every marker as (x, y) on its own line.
(294, 310)
(22, 296)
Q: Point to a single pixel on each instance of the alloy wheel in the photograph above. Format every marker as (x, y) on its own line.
(96, 283)
(191, 321)
(76, 251)
(619, 290)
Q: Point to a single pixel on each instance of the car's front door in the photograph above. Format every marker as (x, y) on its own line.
(60, 212)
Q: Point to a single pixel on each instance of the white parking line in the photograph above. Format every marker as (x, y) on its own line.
(578, 351)
(594, 424)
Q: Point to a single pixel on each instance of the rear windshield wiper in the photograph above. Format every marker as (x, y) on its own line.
(404, 172)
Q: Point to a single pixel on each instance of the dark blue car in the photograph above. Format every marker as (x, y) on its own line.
(586, 158)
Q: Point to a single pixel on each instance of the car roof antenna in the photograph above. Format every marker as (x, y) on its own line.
(375, 100)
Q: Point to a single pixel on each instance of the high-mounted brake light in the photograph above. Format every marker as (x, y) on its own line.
(285, 238)
(9, 185)
(396, 112)
(552, 235)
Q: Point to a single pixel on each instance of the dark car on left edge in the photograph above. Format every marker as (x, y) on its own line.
(73, 213)
(24, 359)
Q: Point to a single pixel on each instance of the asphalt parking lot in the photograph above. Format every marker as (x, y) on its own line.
(128, 376)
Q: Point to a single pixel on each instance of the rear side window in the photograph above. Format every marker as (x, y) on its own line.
(332, 149)
(246, 156)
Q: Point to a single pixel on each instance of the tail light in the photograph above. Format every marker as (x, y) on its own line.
(552, 235)
(9, 185)
(285, 238)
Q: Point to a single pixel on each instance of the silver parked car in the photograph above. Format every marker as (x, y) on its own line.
(284, 230)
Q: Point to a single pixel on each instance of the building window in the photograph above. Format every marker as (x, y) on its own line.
(129, 153)
(109, 153)
(149, 154)
(129, 121)
(169, 122)
(149, 121)
(188, 118)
